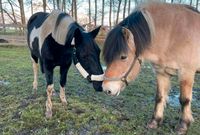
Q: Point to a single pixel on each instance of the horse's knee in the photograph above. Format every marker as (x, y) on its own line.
(184, 101)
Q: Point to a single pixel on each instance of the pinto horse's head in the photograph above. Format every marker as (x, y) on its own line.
(88, 54)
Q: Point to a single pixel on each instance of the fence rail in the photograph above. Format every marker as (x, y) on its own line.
(14, 39)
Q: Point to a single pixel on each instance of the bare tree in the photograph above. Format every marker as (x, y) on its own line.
(124, 12)
(2, 16)
(44, 5)
(197, 4)
(129, 6)
(54, 4)
(95, 14)
(190, 2)
(21, 5)
(89, 2)
(136, 2)
(13, 12)
(102, 16)
(118, 10)
(72, 8)
(64, 6)
(110, 14)
(31, 3)
(58, 4)
(75, 9)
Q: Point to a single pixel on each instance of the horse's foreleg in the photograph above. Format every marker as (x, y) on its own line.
(163, 84)
(35, 73)
(186, 84)
(63, 79)
(49, 79)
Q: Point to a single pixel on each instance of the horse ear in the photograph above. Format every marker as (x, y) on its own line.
(126, 33)
(95, 32)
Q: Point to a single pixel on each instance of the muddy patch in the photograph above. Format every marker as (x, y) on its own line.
(4, 83)
(173, 99)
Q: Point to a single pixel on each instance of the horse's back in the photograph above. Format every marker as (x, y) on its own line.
(177, 34)
(36, 20)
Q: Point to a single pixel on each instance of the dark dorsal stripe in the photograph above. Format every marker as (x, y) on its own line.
(59, 19)
(115, 43)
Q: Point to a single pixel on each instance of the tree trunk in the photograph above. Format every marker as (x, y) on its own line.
(110, 14)
(44, 5)
(31, 2)
(64, 6)
(75, 10)
(124, 12)
(72, 9)
(102, 16)
(118, 10)
(54, 4)
(95, 14)
(129, 6)
(23, 21)
(197, 4)
(58, 4)
(172, 1)
(89, 2)
(2, 16)
(190, 2)
(136, 2)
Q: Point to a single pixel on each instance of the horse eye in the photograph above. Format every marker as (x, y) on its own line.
(123, 57)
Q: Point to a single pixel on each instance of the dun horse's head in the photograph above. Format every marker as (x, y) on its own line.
(123, 64)
(88, 54)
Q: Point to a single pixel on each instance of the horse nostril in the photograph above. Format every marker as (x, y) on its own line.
(108, 92)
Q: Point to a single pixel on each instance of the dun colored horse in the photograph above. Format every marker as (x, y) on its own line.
(50, 39)
(166, 35)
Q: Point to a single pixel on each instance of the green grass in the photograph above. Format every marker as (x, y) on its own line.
(87, 112)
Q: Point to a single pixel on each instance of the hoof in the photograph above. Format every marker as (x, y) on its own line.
(153, 124)
(54, 93)
(64, 103)
(182, 128)
(48, 114)
(35, 85)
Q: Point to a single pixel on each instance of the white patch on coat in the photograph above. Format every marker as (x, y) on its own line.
(34, 34)
(48, 26)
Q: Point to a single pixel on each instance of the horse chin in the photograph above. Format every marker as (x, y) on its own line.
(97, 86)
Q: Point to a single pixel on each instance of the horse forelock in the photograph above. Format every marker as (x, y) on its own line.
(114, 45)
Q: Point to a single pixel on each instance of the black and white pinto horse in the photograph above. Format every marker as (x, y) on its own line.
(56, 39)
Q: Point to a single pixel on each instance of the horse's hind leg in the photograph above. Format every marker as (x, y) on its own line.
(186, 84)
(163, 84)
(63, 79)
(35, 72)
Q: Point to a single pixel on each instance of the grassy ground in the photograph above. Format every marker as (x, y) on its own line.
(87, 112)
